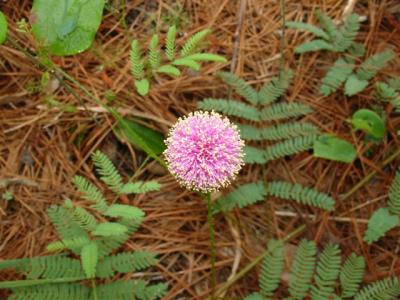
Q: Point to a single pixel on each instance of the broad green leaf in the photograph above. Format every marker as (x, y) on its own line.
(90, 257)
(380, 222)
(124, 211)
(369, 122)
(333, 148)
(66, 27)
(109, 229)
(206, 57)
(190, 63)
(142, 86)
(141, 136)
(3, 28)
(170, 70)
(354, 85)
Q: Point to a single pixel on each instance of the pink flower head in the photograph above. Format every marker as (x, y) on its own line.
(204, 151)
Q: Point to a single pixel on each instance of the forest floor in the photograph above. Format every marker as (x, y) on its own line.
(42, 148)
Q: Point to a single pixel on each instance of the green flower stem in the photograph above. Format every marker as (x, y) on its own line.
(94, 287)
(211, 233)
(32, 282)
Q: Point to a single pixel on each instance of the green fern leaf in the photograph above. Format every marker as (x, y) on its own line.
(230, 108)
(89, 257)
(170, 43)
(72, 243)
(240, 86)
(394, 83)
(254, 155)
(312, 46)
(373, 64)
(327, 272)
(336, 76)
(380, 222)
(109, 174)
(328, 25)
(62, 291)
(394, 195)
(280, 111)
(109, 229)
(190, 63)
(385, 289)
(275, 88)
(308, 27)
(207, 57)
(354, 85)
(289, 147)
(254, 296)
(90, 192)
(347, 33)
(154, 291)
(125, 262)
(85, 219)
(302, 270)
(124, 211)
(271, 269)
(170, 70)
(140, 187)
(243, 196)
(387, 93)
(356, 49)
(351, 275)
(137, 66)
(193, 42)
(154, 53)
(249, 133)
(301, 194)
(142, 86)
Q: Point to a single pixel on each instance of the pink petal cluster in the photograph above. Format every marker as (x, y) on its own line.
(204, 151)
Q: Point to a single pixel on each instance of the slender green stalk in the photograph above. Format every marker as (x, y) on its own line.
(211, 233)
(32, 282)
(94, 287)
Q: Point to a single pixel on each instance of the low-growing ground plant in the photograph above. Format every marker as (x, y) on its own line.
(320, 276)
(87, 259)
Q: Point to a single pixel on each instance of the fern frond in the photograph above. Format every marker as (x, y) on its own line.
(373, 64)
(254, 296)
(89, 259)
(240, 86)
(154, 53)
(380, 222)
(302, 270)
(243, 196)
(250, 133)
(254, 155)
(275, 88)
(327, 272)
(230, 108)
(289, 147)
(394, 83)
(271, 268)
(314, 45)
(308, 27)
(65, 225)
(385, 289)
(109, 229)
(46, 267)
(62, 291)
(347, 33)
(140, 187)
(136, 61)
(109, 174)
(280, 111)
(327, 24)
(72, 243)
(387, 93)
(90, 192)
(351, 275)
(193, 42)
(84, 218)
(125, 262)
(170, 43)
(394, 195)
(336, 76)
(301, 194)
(127, 212)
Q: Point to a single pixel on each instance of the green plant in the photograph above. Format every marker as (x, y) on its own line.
(317, 277)
(66, 27)
(389, 92)
(144, 69)
(61, 276)
(292, 137)
(369, 122)
(3, 28)
(341, 39)
(333, 148)
(385, 218)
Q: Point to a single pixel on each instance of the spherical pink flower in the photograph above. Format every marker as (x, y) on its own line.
(204, 151)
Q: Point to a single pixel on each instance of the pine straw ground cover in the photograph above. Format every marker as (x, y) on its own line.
(41, 148)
